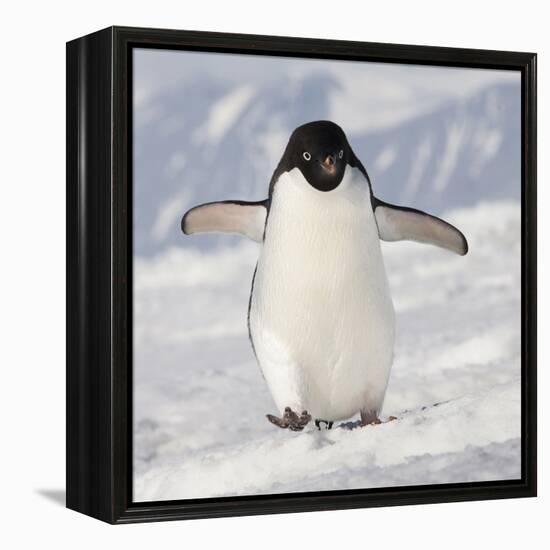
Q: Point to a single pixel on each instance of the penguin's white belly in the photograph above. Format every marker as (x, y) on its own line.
(321, 316)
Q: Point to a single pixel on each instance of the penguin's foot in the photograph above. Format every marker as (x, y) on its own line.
(318, 422)
(377, 421)
(290, 420)
(368, 419)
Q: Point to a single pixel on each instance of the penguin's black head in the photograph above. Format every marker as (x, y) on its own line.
(321, 152)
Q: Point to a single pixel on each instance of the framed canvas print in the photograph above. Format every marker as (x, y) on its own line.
(301, 274)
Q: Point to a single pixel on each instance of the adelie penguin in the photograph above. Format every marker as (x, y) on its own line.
(321, 317)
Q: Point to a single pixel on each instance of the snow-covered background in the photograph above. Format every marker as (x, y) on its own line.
(211, 127)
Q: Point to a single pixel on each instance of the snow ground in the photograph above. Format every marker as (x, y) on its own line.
(200, 401)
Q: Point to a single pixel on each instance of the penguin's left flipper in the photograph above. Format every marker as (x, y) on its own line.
(290, 420)
(398, 223)
(244, 218)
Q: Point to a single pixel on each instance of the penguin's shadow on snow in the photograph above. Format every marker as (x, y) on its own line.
(321, 438)
(351, 425)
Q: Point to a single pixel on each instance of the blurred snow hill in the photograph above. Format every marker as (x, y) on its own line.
(205, 141)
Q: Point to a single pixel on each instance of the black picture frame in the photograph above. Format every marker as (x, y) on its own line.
(99, 275)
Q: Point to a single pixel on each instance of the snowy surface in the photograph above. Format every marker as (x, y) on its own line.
(200, 401)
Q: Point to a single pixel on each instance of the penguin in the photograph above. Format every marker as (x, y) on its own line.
(320, 318)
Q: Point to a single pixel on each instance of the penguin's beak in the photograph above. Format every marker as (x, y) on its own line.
(329, 164)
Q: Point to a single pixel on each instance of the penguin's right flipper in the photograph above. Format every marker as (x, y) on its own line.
(243, 218)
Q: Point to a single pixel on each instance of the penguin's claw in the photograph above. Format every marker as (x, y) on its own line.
(377, 421)
(290, 420)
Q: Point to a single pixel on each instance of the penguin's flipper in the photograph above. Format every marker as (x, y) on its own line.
(243, 218)
(397, 223)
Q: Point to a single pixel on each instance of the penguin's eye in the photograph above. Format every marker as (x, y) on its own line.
(306, 155)
(341, 153)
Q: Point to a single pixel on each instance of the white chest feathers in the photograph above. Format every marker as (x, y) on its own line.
(321, 316)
